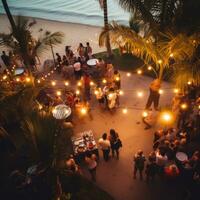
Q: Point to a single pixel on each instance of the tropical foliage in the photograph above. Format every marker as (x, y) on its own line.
(22, 43)
(156, 36)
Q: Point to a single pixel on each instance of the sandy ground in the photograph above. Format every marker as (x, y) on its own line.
(74, 34)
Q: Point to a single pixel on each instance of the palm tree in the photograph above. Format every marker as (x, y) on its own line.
(162, 40)
(104, 6)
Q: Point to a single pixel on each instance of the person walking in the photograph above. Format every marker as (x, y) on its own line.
(151, 169)
(154, 94)
(91, 162)
(104, 144)
(139, 160)
(115, 143)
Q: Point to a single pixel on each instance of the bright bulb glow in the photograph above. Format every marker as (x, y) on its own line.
(17, 79)
(83, 111)
(96, 92)
(124, 111)
(176, 90)
(91, 83)
(4, 77)
(128, 74)
(189, 82)
(121, 92)
(110, 95)
(66, 83)
(104, 81)
(160, 61)
(140, 94)
(117, 79)
(166, 117)
(139, 71)
(53, 83)
(28, 79)
(144, 114)
(184, 106)
(160, 91)
(58, 93)
(77, 92)
(52, 71)
(171, 55)
(40, 107)
(38, 81)
(49, 74)
(45, 76)
(79, 83)
(149, 68)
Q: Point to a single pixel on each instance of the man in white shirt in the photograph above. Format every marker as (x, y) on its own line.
(104, 144)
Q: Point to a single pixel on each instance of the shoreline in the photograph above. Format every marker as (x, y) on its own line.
(73, 34)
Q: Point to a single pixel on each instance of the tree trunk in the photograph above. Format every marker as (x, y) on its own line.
(8, 13)
(105, 13)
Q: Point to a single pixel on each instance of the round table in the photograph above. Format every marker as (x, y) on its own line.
(19, 71)
(92, 62)
(61, 111)
(181, 156)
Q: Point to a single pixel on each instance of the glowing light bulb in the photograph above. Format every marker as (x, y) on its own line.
(140, 94)
(28, 79)
(53, 83)
(184, 106)
(176, 90)
(5, 77)
(171, 55)
(58, 93)
(40, 107)
(189, 82)
(117, 79)
(45, 76)
(52, 71)
(124, 111)
(160, 61)
(91, 83)
(83, 111)
(149, 68)
(160, 91)
(121, 92)
(96, 92)
(66, 83)
(139, 71)
(38, 81)
(77, 92)
(128, 74)
(144, 114)
(49, 74)
(104, 81)
(166, 117)
(79, 84)
(17, 79)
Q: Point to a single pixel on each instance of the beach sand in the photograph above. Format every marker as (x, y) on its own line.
(74, 34)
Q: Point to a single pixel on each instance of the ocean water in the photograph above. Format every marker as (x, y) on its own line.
(75, 11)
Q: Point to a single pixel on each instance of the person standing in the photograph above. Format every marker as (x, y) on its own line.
(139, 160)
(151, 169)
(91, 162)
(104, 144)
(115, 143)
(88, 50)
(154, 94)
(6, 59)
(81, 50)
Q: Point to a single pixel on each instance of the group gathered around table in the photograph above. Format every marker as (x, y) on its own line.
(173, 155)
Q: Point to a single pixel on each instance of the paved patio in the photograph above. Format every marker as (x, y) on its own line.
(116, 176)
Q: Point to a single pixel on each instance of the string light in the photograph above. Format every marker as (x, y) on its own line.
(117, 79)
(121, 92)
(184, 106)
(166, 117)
(149, 67)
(91, 83)
(17, 79)
(145, 114)
(38, 81)
(189, 82)
(96, 92)
(128, 74)
(171, 55)
(140, 94)
(124, 110)
(160, 91)
(45, 76)
(77, 92)
(58, 93)
(5, 77)
(83, 111)
(53, 83)
(28, 79)
(40, 107)
(79, 84)
(49, 74)
(66, 83)
(160, 61)
(176, 90)
(139, 71)
(104, 81)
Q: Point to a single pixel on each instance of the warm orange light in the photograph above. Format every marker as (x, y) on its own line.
(128, 74)
(40, 107)
(189, 82)
(96, 92)
(104, 81)
(38, 81)
(91, 83)
(5, 77)
(125, 111)
(83, 110)
(79, 83)
(176, 90)
(17, 79)
(140, 94)
(184, 106)
(144, 114)
(166, 116)
(139, 71)
(149, 68)
(160, 61)
(28, 79)
(160, 91)
(121, 92)
(117, 79)
(58, 93)
(77, 92)
(171, 55)
(53, 83)
(66, 83)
